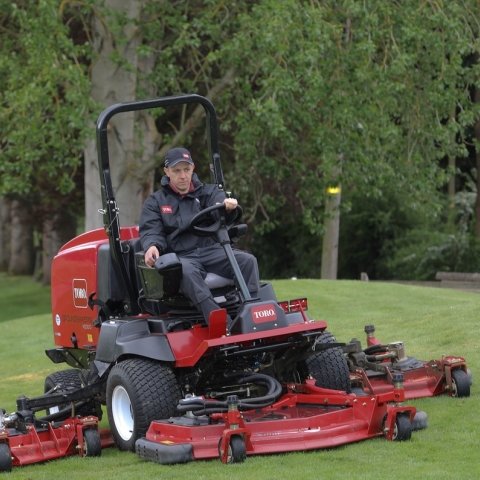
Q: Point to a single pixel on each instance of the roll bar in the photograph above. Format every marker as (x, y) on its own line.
(110, 209)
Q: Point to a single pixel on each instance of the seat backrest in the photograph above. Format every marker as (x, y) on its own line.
(110, 287)
(134, 246)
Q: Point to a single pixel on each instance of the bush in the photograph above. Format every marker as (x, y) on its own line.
(388, 240)
(423, 253)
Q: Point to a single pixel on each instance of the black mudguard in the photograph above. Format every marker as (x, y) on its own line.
(131, 337)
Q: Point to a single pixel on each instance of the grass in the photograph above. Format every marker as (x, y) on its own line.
(22, 297)
(431, 322)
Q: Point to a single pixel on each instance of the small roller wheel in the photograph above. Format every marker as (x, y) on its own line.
(403, 428)
(420, 420)
(92, 446)
(237, 451)
(460, 383)
(5, 458)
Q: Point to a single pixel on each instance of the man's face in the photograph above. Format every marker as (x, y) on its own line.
(180, 175)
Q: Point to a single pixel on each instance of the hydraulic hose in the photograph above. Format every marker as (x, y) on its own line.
(62, 414)
(373, 349)
(199, 406)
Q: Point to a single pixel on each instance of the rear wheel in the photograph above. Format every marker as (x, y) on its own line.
(139, 391)
(461, 383)
(329, 367)
(66, 381)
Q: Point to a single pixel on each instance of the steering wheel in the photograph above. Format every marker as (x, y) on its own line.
(214, 225)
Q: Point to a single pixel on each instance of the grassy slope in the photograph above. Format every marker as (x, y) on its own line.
(430, 321)
(22, 297)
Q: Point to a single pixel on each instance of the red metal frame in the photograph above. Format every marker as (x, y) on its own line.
(189, 346)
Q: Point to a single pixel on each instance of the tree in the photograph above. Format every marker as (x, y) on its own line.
(114, 76)
(4, 233)
(302, 88)
(129, 40)
(381, 99)
(42, 125)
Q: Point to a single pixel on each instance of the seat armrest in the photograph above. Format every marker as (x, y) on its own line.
(167, 262)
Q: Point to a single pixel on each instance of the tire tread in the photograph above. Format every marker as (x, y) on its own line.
(329, 367)
(155, 394)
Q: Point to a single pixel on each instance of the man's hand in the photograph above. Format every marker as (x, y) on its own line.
(230, 204)
(151, 255)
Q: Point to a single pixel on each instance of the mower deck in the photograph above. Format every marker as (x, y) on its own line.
(428, 380)
(305, 418)
(47, 441)
(376, 365)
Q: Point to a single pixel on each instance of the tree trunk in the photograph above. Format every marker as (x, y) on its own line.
(477, 157)
(132, 137)
(330, 238)
(4, 233)
(57, 230)
(22, 251)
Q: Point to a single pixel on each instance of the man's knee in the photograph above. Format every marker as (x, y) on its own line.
(249, 268)
(192, 283)
(250, 263)
(191, 271)
(245, 258)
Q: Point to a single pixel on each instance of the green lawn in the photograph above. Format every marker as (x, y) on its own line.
(430, 321)
(22, 297)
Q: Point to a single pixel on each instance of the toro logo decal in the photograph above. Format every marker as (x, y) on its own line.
(80, 298)
(264, 313)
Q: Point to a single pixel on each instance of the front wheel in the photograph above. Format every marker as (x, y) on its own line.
(138, 392)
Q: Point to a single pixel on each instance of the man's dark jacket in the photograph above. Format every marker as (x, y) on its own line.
(166, 215)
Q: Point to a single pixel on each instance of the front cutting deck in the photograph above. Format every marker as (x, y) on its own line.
(305, 418)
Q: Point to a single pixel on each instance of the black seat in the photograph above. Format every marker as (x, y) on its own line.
(164, 280)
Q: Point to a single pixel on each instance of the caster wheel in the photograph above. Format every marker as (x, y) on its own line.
(237, 451)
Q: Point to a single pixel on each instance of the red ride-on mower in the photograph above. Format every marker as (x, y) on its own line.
(175, 388)
(372, 370)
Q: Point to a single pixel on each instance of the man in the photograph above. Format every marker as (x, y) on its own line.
(164, 222)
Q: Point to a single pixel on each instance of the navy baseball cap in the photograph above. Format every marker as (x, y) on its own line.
(176, 155)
